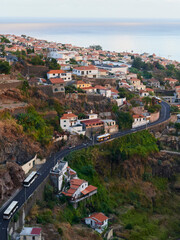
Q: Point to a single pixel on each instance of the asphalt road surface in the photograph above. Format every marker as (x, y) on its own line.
(25, 193)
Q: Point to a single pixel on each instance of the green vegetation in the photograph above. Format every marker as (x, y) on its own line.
(125, 93)
(36, 60)
(34, 125)
(52, 64)
(123, 119)
(95, 47)
(71, 89)
(120, 169)
(150, 106)
(5, 67)
(72, 61)
(156, 70)
(174, 109)
(4, 40)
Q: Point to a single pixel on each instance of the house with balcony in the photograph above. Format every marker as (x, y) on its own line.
(66, 76)
(86, 71)
(58, 85)
(97, 221)
(79, 190)
(69, 122)
(138, 85)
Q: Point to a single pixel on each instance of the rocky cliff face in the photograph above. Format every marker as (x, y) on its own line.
(14, 145)
(11, 177)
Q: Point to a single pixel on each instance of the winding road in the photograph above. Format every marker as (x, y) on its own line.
(25, 193)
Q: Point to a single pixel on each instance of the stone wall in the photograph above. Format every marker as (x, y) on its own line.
(154, 117)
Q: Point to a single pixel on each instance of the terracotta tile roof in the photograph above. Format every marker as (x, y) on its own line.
(114, 90)
(68, 115)
(56, 80)
(77, 182)
(88, 88)
(149, 90)
(100, 87)
(80, 82)
(98, 217)
(55, 72)
(89, 189)
(36, 231)
(91, 121)
(84, 68)
(70, 192)
(138, 116)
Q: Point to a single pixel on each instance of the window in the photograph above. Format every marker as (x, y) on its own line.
(33, 238)
(64, 125)
(64, 120)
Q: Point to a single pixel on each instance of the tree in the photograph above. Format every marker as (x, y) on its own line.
(95, 47)
(4, 40)
(72, 61)
(37, 61)
(5, 67)
(52, 64)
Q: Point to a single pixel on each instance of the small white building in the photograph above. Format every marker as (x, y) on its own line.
(120, 101)
(29, 233)
(66, 76)
(97, 221)
(86, 71)
(143, 93)
(139, 120)
(103, 91)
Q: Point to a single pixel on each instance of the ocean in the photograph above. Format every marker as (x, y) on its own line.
(161, 37)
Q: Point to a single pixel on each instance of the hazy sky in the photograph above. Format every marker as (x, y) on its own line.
(91, 8)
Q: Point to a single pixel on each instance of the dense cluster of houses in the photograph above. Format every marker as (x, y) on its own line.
(80, 68)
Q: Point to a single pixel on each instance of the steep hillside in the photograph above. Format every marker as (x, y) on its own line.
(135, 189)
(15, 146)
(11, 177)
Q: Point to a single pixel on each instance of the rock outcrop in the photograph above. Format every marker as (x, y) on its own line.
(14, 145)
(11, 177)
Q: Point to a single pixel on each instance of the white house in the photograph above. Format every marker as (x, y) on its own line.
(143, 93)
(120, 101)
(57, 174)
(97, 221)
(103, 91)
(66, 76)
(78, 189)
(139, 120)
(68, 120)
(86, 71)
(29, 233)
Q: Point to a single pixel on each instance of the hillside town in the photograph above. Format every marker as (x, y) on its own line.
(64, 98)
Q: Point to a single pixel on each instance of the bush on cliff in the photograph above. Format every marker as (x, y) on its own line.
(35, 126)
